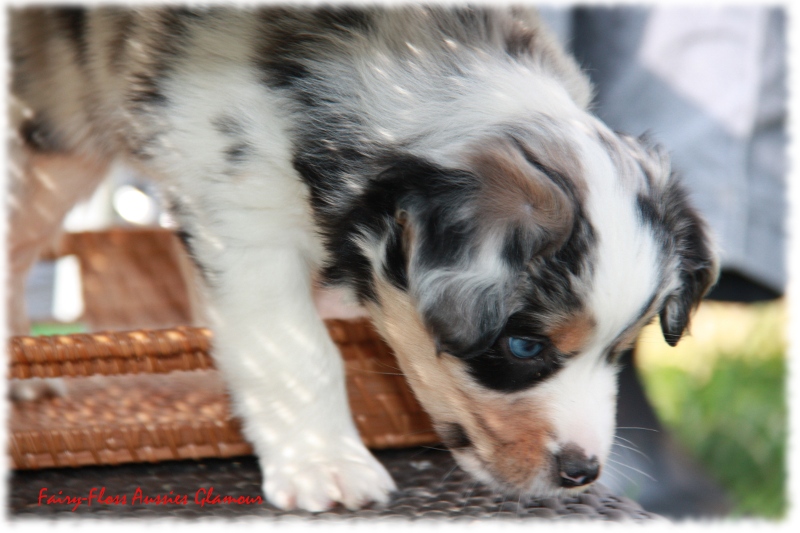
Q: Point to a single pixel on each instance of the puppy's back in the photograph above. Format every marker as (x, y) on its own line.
(85, 73)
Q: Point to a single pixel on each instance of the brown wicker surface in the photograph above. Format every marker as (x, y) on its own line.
(143, 416)
(429, 487)
(127, 419)
(132, 278)
(110, 353)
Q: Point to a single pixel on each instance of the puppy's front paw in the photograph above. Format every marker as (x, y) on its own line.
(316, 480)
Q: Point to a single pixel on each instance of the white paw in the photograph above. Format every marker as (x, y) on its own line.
(318, 479)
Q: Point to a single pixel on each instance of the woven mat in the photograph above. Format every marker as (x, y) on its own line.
(429, 487)
(144, 415)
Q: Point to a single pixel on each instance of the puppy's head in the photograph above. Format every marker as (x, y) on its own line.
(508, 283)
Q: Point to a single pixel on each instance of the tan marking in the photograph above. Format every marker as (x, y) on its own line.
(515, 191)
(508, 434)
(566, 161)
(571, 335)
(557, 152)
(519, 435)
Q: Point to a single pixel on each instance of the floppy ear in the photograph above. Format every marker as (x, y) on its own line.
(468, 237)
(698, 267)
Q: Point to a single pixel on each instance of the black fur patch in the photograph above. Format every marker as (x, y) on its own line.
(39, 136)
(325, 166)
(146, 90)
(455, 437)
(228, 126)
(186, 239)
(498, 369)
(396, 264)
(343, 18)
(292, 37)
(238, 153)
(518, 43)
(71, 22)
(548, 296)
(410, 184)
(324, 172)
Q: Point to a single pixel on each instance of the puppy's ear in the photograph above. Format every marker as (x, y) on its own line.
(698, 272)
(468, 236)
(691, 249)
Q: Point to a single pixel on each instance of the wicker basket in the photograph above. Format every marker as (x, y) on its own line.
(162, 399)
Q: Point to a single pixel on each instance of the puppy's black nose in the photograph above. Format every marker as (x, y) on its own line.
(574, 469)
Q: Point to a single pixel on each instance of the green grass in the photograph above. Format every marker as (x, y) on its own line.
(733, 415)
(56, 328)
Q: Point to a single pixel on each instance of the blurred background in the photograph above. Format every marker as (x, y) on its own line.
(702, 427)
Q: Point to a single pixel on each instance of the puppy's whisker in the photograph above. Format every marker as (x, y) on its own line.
(645, 474)
(437, 449)
(500, 507)
(468, 494)
(617, 455)
(626, 440)
(417, 432)
(387, 365)
(418, 452)
(620, 472)
(455, 467)
(640, 452)
(642, 429)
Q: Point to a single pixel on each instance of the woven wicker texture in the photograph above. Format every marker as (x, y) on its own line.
(127, 419)
(430, 486)
(151, 417)
(132, 278)
(110, 353)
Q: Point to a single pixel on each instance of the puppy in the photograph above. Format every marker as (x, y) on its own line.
(439, 163)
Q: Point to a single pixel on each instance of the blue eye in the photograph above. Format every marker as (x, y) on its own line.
(524, 348)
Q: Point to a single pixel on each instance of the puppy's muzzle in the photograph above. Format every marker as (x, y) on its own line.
(574, 469)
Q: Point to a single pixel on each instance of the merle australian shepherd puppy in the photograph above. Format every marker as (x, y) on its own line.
(439, 163)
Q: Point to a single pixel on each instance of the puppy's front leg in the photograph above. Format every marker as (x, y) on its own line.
(286, 378)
